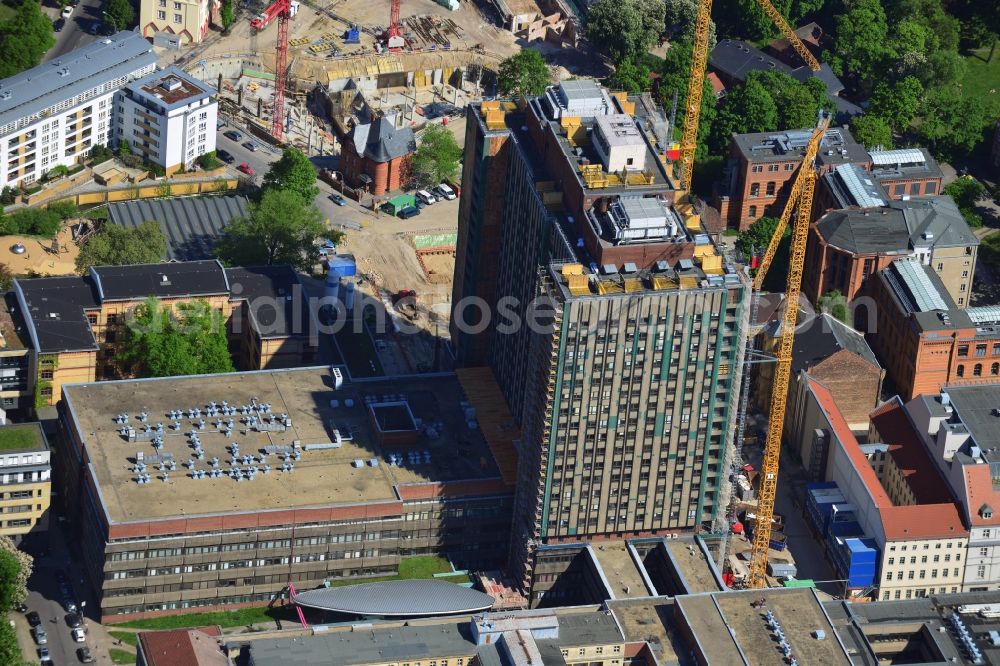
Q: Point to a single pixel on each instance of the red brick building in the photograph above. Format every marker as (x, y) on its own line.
(376, 156)
(762, 166)
(847, 246)
(923, 340)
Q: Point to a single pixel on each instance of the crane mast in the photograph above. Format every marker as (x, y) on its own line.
(280, 73)
(803, 189)
(696, 81)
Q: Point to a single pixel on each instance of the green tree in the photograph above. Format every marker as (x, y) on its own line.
(120, 14)
(967, 191)
(19, 582)
(630, 76)
(24, 38)
(797, 103)
(226, 15)
(953, 122)
(9, 569)
(118, 246)
(897, 102)
(835, 304)
(674, 76)
(872, 131)
(10, 651)
(757, 236)
(437, 157)
(280, 229)
(746, 108)
(189, 339)
(523, 74)
(680, 17)
(860, 39)
(745, 19)
(623, 29)
(293, 173)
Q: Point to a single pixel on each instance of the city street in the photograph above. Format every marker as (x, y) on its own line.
(75, 33)
(258, 160)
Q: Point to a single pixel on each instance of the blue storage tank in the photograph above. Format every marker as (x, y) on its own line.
(342, 265)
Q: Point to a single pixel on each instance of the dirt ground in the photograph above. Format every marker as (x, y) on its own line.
(36, 259)
(440, 266)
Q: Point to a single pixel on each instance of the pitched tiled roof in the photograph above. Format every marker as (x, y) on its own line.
(919, 521)
(191, 647)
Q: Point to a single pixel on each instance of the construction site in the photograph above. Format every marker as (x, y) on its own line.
(440, 54)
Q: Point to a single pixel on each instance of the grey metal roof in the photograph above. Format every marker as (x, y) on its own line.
(73, 73)
(378, 645)
(975, 406)
(821, 337)
(275, 297)
(904, 163)
(53, 310)
(138, 89)
(402, 598)
(837, 147)
(864, 192)
(381, 141)
(188, 278)
(191, 224)
(898, 227)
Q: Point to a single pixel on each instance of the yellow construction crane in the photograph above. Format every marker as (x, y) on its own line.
(800, 200)
(699, 61)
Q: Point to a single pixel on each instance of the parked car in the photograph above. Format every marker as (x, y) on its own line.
(225, 156)
(445, 191)
(73, 620)
(21, 608)
(83, 654)
(245, 168)
(40, 636)
(33, 619)
(59, 24)
(94, 28)
(79, 636)
(337, 199)
(67, 12)
(408, 212)
(69, 605)
(43, 653)
(233, 134)
(426, 197)
(220, 123)
(250, 145)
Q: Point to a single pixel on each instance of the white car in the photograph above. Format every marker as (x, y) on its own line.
(446, 191)
(67, 11)
(79, 636)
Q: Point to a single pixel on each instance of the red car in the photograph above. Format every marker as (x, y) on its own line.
(245, 168)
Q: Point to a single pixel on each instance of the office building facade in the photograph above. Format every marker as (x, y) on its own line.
(25, 479)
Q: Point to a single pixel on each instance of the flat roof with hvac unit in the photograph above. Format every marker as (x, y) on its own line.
(401, 598)
(252, 442)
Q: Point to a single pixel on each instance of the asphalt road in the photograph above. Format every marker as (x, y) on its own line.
(259, 160)
(75, 33)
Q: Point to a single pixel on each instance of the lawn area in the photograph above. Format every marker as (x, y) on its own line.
(981, 77)
(129, 637)
(422, 566)
(14, 437)
(989, 251)
(121, 656)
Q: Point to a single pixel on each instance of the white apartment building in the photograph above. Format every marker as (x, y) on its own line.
(167, 117)
(52, 114)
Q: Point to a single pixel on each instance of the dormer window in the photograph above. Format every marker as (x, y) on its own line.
(986, 512)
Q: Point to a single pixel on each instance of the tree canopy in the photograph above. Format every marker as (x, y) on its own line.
(16, 569)
(834, 303)
(437, 157)
(746, 108)
(119, 14)
(953, 122)
(523, 74)
(189, 339)
(630, 76)
(860, 39)
(24, 39)
(674, 75)
(967, 192)
(680, 17)
(293, 172)
(118, 246)
(280, 230)
(872, 131)
(226, 14)
(755, 240)
(897, 103)
(623, 29)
